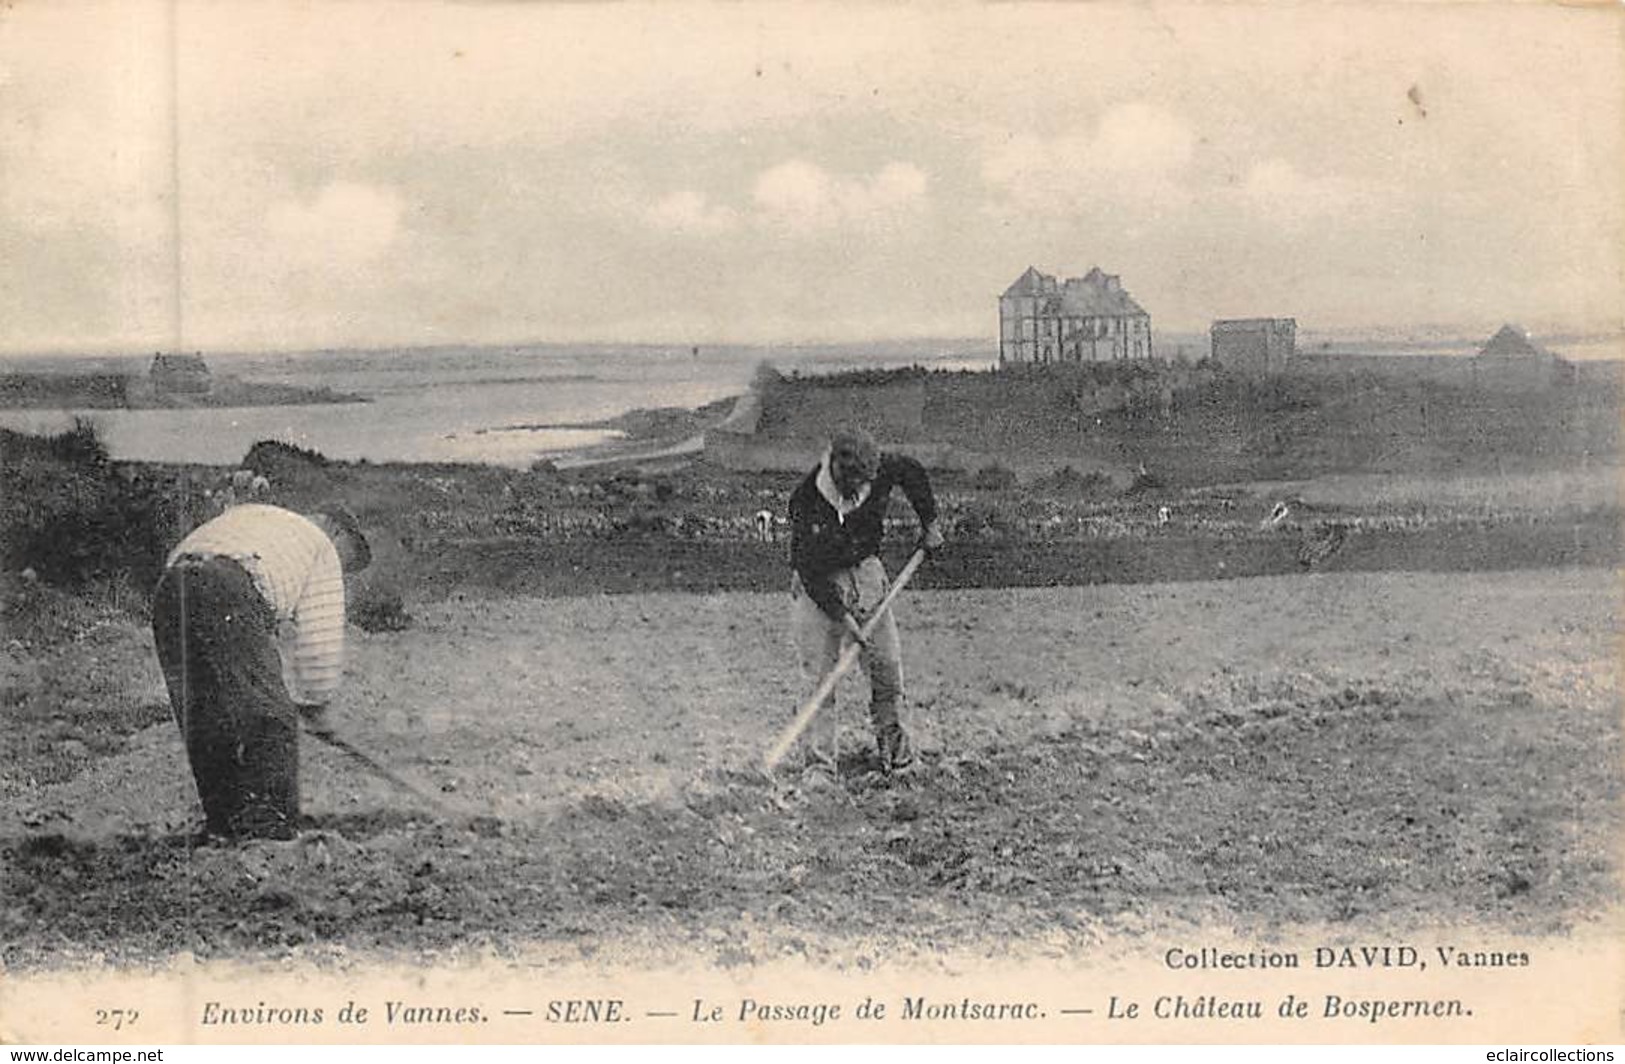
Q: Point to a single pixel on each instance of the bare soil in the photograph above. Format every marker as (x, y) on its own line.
(1343, 749)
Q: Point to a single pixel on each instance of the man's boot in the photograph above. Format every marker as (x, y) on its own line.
(896, 751)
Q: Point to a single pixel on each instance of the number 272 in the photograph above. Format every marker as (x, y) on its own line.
(116, 1018)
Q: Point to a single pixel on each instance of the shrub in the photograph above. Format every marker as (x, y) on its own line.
(273, 457)
(1145, 481)
(80, 445)
(379, 611)
(299, 473)
(766, 379)
(77, 522)
(643, 523)
(994, 478)
(862, 378)
(1070, 481)
(981, 521)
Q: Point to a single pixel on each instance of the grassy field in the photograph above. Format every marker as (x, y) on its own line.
(1355, 750)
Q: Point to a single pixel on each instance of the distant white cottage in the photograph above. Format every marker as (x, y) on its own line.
(1081, 319)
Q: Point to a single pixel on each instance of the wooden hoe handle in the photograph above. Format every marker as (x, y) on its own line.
(843, 664)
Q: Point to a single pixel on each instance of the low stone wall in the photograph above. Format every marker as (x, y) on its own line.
(802, 410)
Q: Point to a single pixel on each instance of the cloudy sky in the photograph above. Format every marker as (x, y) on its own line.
(297, 175)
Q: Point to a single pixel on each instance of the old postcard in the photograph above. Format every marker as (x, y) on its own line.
(555, 523)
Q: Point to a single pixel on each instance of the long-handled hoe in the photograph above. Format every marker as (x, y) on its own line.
(843, 664)
(344, 746)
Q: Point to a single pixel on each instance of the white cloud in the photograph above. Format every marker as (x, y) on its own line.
(797, 192)
(346, 225)
(802, 197)
(1132, 150)
(1141, 139)
(690, 213)
(1277, 190)
(896, 185)
(1023, 161)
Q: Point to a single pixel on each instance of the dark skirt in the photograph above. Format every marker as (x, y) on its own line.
(217, 643)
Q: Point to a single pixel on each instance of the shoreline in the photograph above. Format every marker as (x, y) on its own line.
(643, 423)
(648, 434)
(44, 391)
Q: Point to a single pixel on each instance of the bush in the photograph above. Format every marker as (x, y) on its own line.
(271, 458)
(862, 378)
(379, 611)
(981, 521)
(1069, 481)
(766, 379)
(994, 478)
(1145, 481)
(73, 519)
(80, 446)
(300, 474)
(643, 523)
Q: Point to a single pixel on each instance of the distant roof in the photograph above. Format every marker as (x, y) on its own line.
(179, 361)
(1512, 342)
(1031, 283)
(1251, 323)
(1098, 295)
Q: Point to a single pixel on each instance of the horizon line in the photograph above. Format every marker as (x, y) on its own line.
(1385, 333)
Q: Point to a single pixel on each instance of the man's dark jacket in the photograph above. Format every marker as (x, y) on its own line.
(821, 545)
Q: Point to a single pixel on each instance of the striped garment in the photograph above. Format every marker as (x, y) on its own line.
(296, 567)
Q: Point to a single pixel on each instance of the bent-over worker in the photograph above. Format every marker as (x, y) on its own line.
(249, 623)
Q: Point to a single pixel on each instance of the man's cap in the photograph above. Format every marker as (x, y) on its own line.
(345, 521)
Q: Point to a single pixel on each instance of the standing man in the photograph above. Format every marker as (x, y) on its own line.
(837, 519)
(249, 622)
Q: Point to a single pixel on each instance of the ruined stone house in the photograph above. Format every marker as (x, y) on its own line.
(172, 374)
(1255, 346)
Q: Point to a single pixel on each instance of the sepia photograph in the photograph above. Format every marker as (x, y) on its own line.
(833, 522)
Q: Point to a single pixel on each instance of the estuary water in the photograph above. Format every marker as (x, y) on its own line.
(496, 405)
